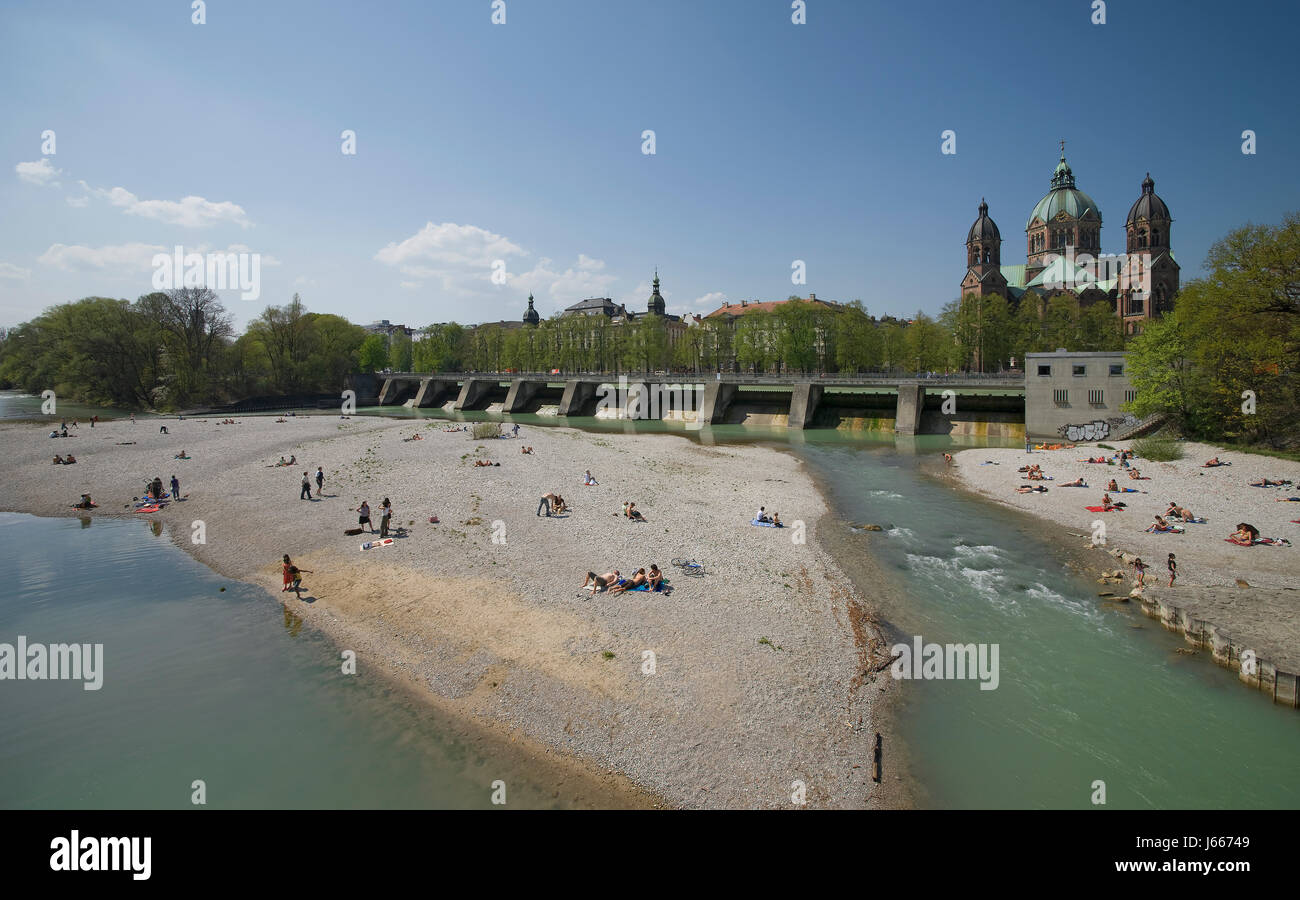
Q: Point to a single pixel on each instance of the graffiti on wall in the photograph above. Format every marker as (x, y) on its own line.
(1096, 430)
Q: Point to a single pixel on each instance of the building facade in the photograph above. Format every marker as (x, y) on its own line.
(1063, 254)
(1077, 396)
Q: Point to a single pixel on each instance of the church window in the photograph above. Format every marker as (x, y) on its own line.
(1155, 238)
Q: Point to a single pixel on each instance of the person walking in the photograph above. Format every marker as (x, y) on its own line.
(286, 565)
(363, 516)
(305, 493)
(1140, 568)
(385, 513)
(1173, 569)
(320, 480)
(295, 583)
(176, 488)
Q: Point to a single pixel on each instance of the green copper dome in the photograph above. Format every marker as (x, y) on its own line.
(1064, 198)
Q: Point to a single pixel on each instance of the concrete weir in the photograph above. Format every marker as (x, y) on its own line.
(985, 403)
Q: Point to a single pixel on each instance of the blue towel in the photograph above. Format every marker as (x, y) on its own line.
(764, 524)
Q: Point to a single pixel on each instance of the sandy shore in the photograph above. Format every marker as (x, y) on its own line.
(757, 678)
(1246, 594)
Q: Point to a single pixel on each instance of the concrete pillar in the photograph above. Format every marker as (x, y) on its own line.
(521, 391)
(717, 397)
(911, 400)
(386, 392)
(576, 395)
(472, 393)
(803, 404)
(433, 392)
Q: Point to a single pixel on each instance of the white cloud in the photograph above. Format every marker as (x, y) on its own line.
(188, 212)
(410, 285)
(16, 273)
(78, 202)
(41, 172)
(129, 257)
(576, 282)
(450, 246)
(709, 301)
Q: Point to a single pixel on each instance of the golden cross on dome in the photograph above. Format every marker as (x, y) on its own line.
(1062, 146)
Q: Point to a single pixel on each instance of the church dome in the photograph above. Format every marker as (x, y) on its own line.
(1148, 206)
(984, 229)
(1064, 197)
(530, 315)
(656, 304)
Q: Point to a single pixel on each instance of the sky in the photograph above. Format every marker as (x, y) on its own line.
(497, 160)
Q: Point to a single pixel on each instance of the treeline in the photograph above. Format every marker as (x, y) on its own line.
(176, 349)
(799, 336)
(1223, 364)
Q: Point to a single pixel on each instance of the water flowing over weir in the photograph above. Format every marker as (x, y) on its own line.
(1088, 690)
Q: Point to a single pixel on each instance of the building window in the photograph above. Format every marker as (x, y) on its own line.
(1130, 395)
(1045, 371)
(1096, 398)
(1079, 371)
(1061, 397)
(1117, 368)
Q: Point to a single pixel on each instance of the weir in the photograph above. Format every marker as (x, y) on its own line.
(980, 405)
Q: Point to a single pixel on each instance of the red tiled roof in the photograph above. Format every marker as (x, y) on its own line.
(737, 309)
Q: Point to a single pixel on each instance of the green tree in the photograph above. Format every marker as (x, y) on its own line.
(373, 353)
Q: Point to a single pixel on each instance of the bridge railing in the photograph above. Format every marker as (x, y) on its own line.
(990, 378)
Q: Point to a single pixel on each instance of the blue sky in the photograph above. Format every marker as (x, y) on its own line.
(522, 142)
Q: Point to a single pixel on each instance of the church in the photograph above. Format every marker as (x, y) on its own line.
(1063, 231)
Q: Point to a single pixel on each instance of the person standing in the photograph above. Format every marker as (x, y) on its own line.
(320, 480)
(176, 488)
(92, 421)
(516, 429)
(1140, 569)
(286, 565)
(363, 516)
(385, 513)
(545, 504)
(1173, 569)
(305, 493)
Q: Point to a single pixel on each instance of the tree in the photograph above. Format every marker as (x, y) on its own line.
(373, 353)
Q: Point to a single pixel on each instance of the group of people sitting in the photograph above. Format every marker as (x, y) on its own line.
(614, 583)
(773, 519)
(64, 460)
(415, 437)
(1034, 472)
(85, 503)
(525, 449)
(292, 461)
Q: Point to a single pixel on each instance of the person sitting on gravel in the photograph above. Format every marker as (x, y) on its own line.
(632, 512)
(69, 460)
(1179, 512)
(1109, 504)
(761, 515)
(84, 503)
(1112, 486)
(1134, 474)
(588, 480)
(655, 577)
(58, 460)
(1245, 534)
(182, 455)
(1160, 526)
(1211, 463)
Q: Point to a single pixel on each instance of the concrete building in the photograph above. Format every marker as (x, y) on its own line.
(1077, 396)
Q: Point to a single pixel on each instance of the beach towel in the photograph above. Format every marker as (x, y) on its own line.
(1176, 529)
(1272, 542)
(1295, 521)
(1197, 521)
(765, 524)
(1215, 466)
(1104, 508)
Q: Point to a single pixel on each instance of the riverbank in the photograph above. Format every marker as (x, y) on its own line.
(722, 693)
(1236, 603)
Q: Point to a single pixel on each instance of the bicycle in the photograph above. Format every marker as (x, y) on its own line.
(690, 567)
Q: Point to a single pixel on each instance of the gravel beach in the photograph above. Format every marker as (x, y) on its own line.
(1248, 594)
(722, 692)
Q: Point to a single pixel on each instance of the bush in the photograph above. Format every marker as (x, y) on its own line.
(1158, 449)
(483, 430)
